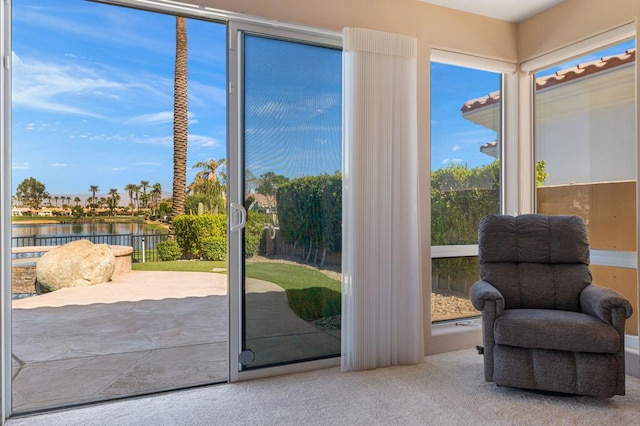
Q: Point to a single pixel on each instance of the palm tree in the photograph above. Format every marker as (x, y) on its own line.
(130, 188)
(68, 200)
(56, 197)
(180, 121)
(136, 192)
(144, 198)
(156, 194)
(77, 201)
(144, 184)
(93, 189)
(113, 199)
(206, 180)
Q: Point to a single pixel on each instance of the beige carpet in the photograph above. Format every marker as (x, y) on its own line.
(446, 389)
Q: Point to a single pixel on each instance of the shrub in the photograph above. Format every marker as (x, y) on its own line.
(214, 248)
(253, 233)
(193, 230)
(169, 250)
(205, 236)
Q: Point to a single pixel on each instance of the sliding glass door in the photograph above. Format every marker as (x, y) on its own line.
(287, 193)
(117, 314)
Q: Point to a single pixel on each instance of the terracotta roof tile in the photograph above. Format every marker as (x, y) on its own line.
(490, 99)
(564, 76)
(585, 69)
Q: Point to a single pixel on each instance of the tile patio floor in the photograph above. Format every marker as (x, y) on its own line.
(143, 332)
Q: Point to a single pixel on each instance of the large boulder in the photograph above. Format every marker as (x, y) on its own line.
(76, 264)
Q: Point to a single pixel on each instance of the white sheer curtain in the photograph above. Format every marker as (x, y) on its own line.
(382, 293)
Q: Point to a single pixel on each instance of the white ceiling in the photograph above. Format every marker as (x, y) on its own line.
(505, 10)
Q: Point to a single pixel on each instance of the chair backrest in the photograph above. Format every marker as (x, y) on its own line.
(535, 261)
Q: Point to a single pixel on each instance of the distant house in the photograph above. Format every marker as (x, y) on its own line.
(598, 96)
(20, 211)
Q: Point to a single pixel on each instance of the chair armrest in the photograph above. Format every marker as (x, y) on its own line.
(487, 299)
(482, 292)
(606, 304)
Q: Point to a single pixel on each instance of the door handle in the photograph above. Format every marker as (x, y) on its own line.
(238, 210)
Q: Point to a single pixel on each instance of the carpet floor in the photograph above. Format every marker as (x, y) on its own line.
(446, 389)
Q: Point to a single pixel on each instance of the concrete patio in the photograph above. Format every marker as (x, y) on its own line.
(145, 332)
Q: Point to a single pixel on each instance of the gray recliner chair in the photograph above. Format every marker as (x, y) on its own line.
(545, 326)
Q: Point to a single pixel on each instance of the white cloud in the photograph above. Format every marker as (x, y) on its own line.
(42, 125)
(154, 140)
(203, 141)
(456, 148)
(147, 163)
(275, 109)
(202, 94)
(20, 166)
(448, 161)
(194, 140)
(163, 117)
(154, 118)
(295, 111)
(57, 165)
(44, 86)
(118, 169)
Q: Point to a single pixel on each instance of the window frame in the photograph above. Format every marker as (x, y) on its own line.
(451, 335)
(235, 156)
(528, 68)
(508, 148)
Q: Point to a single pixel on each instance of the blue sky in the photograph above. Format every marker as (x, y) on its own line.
(456, 140)
(93, 95)
(293, 114)
(93, 98)
(613, 50)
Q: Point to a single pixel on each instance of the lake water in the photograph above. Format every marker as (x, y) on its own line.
(118, 233)
(94, 228)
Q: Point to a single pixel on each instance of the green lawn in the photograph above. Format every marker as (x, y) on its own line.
(311, 294)
(180, 266)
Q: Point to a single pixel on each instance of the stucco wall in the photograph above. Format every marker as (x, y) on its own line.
(570, 22)
(584, 129)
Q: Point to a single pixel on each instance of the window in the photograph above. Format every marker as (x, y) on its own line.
(585, 157)
(466, 146)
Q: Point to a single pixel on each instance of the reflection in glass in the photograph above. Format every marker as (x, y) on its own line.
(293, 194)
(585, 153)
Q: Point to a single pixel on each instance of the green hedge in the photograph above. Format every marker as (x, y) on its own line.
(310, 211)
(214, 248)
(193, 230)
(205, 236)
(253, 233)
(460, 197)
